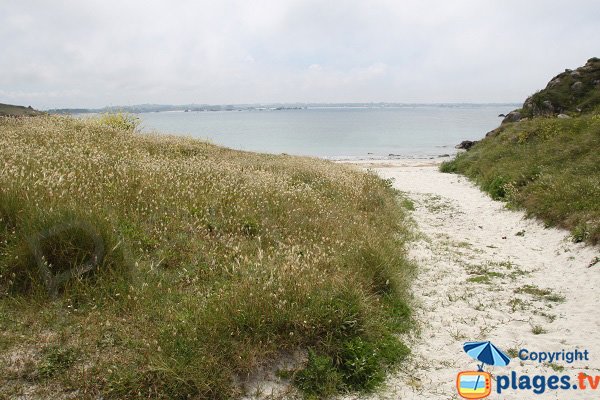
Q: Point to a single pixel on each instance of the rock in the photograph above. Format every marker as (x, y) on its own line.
(577, 86)
(553, 82)
(563, 116)
(534, 106)
(493, 132)
(465, 144)
(502, 115)
(443, 155)
(548, 107)
(513, 116)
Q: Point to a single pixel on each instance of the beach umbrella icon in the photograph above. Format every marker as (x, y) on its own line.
(486, 353)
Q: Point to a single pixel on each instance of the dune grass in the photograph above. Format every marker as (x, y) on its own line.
(549, 167)
(150, 266)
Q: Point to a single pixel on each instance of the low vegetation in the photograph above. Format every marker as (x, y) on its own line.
(149, 266)
(548, 166)
(9, 110)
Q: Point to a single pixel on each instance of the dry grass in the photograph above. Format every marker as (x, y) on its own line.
(149, 266)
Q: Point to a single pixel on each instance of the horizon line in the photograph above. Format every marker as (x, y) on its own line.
(259, 104)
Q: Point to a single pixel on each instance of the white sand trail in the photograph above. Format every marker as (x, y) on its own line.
(487, 273)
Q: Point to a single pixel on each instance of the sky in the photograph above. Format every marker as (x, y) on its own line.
(91, 53)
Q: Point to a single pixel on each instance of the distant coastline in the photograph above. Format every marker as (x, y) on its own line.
(148, 108)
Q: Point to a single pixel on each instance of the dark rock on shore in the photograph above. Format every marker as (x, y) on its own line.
(466, 144)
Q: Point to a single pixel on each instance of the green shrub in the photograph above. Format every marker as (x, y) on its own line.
(319, 379)
(448, 166)
(496, 188)
(360, 365)
(580, 233)
(120, 121)
(56, 360)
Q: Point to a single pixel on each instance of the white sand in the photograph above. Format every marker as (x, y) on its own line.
(463, 229)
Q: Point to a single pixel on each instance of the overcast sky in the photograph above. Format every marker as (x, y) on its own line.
(96, 53)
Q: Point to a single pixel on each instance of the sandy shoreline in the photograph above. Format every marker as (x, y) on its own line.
(487, 273)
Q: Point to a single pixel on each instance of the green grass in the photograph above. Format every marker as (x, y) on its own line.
(479, 279)
(538, 330)
(56, 359)
(361, 365)
(549, 167)
(164, 267)
(556, 367)
(485, 273)
(513, 352)
(539, 293)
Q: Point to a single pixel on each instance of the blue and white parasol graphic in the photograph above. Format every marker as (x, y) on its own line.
(486, 353)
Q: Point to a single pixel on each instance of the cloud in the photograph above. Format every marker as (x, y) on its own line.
(94, 53)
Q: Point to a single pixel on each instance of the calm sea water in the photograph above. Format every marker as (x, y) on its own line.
(338, 133)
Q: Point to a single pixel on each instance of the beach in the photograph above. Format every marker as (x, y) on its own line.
(488, 273)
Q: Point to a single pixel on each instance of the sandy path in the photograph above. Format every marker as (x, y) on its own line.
(473, 255)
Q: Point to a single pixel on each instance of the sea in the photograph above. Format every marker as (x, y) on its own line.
(337, 132)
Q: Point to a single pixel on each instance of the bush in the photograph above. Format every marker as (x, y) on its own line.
(360, 365)
(448, 166)
(120, 121)
(56, 360)
(496, 188)
(319, 379)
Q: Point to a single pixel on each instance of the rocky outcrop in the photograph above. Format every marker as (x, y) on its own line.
(572, 91)
(567, 94)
